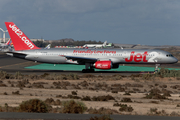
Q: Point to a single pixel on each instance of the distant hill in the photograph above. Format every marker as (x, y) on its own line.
(139, 46)
(66, 40)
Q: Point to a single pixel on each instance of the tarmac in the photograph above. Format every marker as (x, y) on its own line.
(69, 67)
(59, 116)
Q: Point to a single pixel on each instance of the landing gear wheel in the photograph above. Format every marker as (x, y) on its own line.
(91, 70)
(87, 70)
(84, 70)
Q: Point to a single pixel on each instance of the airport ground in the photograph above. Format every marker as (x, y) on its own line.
(98, 84)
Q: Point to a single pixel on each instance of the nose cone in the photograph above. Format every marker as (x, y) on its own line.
(174, 60)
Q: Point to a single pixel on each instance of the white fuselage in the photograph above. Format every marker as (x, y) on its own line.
(80, 56)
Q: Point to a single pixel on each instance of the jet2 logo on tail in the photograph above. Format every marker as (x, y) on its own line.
(138, 57)
(20, 34)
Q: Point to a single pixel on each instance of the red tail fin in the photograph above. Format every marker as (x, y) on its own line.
(19, 39)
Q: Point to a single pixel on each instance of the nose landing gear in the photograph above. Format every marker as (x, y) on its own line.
(156, 68)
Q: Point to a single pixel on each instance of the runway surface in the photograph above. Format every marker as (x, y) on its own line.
(55, 116)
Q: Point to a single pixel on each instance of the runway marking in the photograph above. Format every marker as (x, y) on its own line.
(14, 64)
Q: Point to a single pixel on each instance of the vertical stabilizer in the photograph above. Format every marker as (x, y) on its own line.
(8, 42)
(19, 39)
(104, 44)
(48, 46)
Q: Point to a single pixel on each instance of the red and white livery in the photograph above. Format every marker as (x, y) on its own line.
(91, 58)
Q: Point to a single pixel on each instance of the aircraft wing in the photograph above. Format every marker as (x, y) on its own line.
(89, 59)
(81, 59)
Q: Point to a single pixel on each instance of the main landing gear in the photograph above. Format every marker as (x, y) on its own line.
(87, 68)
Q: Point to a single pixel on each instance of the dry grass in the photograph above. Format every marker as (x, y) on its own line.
(132, 96)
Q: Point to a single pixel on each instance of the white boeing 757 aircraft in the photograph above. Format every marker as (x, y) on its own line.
(95, 45)
(91, 58)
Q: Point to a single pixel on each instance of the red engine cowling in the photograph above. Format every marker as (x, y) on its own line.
(103, 65)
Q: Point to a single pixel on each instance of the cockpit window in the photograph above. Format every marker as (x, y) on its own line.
(169, 55)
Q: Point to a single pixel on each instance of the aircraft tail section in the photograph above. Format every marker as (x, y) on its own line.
(19, 39)
(8, 42)
(48, 46)
(104, 44)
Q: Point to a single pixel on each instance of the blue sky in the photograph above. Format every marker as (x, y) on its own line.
(147, 22)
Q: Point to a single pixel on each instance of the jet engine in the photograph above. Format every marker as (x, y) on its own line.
(103, 65)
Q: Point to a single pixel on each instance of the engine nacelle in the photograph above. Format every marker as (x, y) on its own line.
(103, 65)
